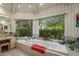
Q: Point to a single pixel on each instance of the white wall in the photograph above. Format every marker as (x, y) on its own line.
(76, 10)
(13, 25)
(35, 28)
(5, 12)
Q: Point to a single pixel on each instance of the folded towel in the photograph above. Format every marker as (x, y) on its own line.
(38, 48)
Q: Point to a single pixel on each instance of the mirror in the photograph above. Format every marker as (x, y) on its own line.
(4, 24)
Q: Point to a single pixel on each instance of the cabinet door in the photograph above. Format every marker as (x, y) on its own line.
(13, 42)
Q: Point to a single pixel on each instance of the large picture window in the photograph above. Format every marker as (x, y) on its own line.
(52, 27)
(23, 28)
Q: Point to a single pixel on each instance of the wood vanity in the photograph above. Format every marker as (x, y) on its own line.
(7, 43)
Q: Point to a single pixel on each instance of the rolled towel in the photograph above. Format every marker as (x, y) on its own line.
(38, 48)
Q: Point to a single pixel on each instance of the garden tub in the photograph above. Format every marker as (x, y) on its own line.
(52, 48)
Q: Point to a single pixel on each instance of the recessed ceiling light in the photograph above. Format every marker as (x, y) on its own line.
(19, 6)
(0, 3)
(29, 6)
(41, 4)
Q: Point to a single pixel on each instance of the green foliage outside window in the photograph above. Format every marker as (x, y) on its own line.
(23, 28)
(52, 27)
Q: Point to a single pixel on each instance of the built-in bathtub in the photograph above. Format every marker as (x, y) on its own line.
(52, 48)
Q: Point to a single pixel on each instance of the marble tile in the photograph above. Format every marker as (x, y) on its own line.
(14, 52)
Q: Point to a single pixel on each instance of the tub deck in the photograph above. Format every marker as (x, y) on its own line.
(27, 48)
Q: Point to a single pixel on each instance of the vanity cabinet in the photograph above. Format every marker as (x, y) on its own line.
(7, 43)
(12, 42)
(4, 44)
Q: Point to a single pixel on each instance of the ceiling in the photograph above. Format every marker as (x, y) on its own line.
(27, 7)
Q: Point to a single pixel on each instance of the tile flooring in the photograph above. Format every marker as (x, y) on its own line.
(14, 52)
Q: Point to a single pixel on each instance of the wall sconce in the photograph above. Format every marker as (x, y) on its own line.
(3, 15)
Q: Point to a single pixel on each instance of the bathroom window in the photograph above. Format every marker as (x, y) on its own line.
(52, 27)
(23, 28)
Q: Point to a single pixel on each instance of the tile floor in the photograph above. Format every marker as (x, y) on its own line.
(14, 52)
